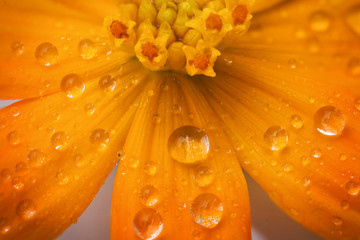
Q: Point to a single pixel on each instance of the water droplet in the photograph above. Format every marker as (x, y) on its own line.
(337, 221)
(329, 121)
(21, 167)
(149, 196)
(72, 85)
(61, 177)
(276, 138)
(292, 63)
(188, 144)
(100, 138)
(297, 121)
(352, 188)
(353, 18)
(26, 209)
(288, 167)
(18, 182)
(148, 224)
(198, 234)
(228, 58)
(203, 176)
(207, 210)
(316, 153)
(342, 157)
(13, 138)
(319, 21)
(156, 119)
(107, 83)
(344, 204)
(87, 49)
(176, 109)
(89, 108)
(354, 66)
(59, 141)
(5, 174)
(18, 48)
(36, 158)
(5, 225)
(150, 168)
(47, 54)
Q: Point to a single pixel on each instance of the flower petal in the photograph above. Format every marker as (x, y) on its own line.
(292, 114)
(56, 153)
(178, 177)
(70, 29)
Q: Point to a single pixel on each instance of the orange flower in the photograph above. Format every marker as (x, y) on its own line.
(109, 81)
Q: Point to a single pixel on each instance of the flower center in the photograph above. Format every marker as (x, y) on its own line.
(184, 36)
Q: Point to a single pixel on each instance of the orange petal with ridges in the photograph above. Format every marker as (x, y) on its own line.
(57, 151)
(179, 177)
(26, 69)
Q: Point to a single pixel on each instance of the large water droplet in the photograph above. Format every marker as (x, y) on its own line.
(148, 224)
(59, 140)
(13, 138)
(276, 138)
(100, 138)
(149, 196)
(87, 49)
(5, 225)
(107, 83)
(203, 176)
(36, 157)
(352, 188)
(188, 144)
(319, 21)
(73, 85)
(207, 210)
(26, 209)
(47, 54)
(329, 121)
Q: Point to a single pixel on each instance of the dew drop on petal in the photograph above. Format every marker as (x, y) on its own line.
(297, 121)
(17, 182)
(203, 176)
(357, 104)
(316, 153)
(18, 48)
(276, 138)
(87, 49)
(47, 54)
(352, 188)
(72, 85)
(292, 63)
(207, 210)
(344, 204)
(337, 221)
(149, 196)
(5, 174)
(36, 158)
(353, 19)
(354, 66)
(5, 225)
(13, 138)
(188, 144)
(89, 109)
(100, 138)
(150, 168)
(148, 224)
(107, 83)
(329, 121)
(319, 21)
(59, 141)
(61, 177)
(26, 209)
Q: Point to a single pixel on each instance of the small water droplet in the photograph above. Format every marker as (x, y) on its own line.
(26, 209)
(13, 138)
(176, 109)
(207, 210)
(149, 196)
(319, 21)
(87, 49)
(72, 85)
(18, 182)
(329, 121)
(156, 118)
(354, 66)
(18, 48)
(297, 121)
(316, 153)
(288, 167)
(21, 167)
(148, 224)
(203, 176)
(5, 174)
(188, 144)
(61, 177)
(59, 141)
(100, 138)
(150, 168)
(36, 158)
(337, 221)
(276, 138)
(292, 63)
(89, 109)
(357, 104)
(47, 54)
(107, 83)
(352, 188)
(353, 19)
(342, 157)
(5, 225)
(344, 204)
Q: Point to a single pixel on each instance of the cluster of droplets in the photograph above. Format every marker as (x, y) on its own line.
(187, 145)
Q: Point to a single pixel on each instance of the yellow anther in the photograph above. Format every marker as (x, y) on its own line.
(215, 5)
(200, 60)
(120, 29)
(212, 25)
(166, 15)
(192, 37)
(179, 26)
(147, 11)
(165, 30)
(176, 59)
(188, 7)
